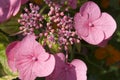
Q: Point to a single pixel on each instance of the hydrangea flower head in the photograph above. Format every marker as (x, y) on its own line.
(29, 58)
(76, 70)
(93, 26)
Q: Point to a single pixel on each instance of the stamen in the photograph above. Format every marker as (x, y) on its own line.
(34, 59)
(91, 25)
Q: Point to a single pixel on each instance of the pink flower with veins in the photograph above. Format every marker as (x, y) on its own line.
(29, 58)
(9, 8)
(93, 26)
(76, 70)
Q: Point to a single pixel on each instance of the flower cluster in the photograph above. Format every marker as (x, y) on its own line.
(62, 25)
(31, 58)
(30, 20)
(71, 3)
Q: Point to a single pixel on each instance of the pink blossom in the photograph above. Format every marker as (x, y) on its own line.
(72, 3)
(76, 70)
(93, 26)
(9, 8)
(29, 58)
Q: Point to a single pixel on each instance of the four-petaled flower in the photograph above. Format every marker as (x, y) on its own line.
(93, 26)
(30, 59)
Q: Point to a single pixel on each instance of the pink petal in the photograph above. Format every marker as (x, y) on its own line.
(65, 71)
(29, 76)
(10, 52)
(15, 5)
(8, 8)
(67, 75)
(24, 65)
(95, 36)
(4, 10)
(91, 9)
(81, 25)
(40, 52)
(26, 46)
(61, 56)
(45, 64)
(25, 70)
(44, 68)
(59, 65)
(51, 65)
(80, 68)
(106, 24)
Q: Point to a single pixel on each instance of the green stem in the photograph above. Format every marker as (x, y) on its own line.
(71, 53)
(41, 11)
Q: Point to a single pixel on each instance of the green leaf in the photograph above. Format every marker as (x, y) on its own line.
(3, 38)
(10, 26)
(2, 72)
(3, 61)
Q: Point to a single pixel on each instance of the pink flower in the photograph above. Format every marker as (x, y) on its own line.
(72, 3)
(29, 58)
(93, 26)
(76, 70)
(9, 8)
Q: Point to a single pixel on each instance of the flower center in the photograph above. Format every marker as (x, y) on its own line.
(35, 59)
(91, 25)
